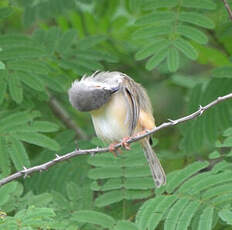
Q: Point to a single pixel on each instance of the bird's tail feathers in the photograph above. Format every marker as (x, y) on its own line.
(156, 168)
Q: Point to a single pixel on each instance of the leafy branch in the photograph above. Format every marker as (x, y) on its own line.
(39, 168)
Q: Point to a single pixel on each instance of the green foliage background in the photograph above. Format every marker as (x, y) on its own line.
(179, 50)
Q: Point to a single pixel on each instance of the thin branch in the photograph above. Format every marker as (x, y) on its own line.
(39, 168)
(227, 6)
(63, 115)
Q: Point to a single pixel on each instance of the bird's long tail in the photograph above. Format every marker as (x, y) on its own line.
(156, 168)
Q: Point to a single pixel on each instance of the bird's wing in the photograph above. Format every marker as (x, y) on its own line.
(131, 96)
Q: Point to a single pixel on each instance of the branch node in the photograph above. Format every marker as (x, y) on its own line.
(172, 121)
(92, 153)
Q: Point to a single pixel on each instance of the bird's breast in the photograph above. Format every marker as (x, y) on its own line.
(111, 121)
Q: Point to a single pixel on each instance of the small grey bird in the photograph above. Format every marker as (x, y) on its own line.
(119, 108)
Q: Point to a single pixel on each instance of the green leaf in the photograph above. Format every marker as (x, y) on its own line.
(180, 176)
(33, 213)
(211, 56)
(18, 153)
(226, 215)
(200, 183)
(6, 192)
(44, 126)
(31, 80)
(16, 119)
(2, 65)
(88, 64)
(15, 88)
(206, 219)
(66, 41)
(222, 72)
(124, 224)
(228, 132)
(15, 40)
(107, 172)
(152, 31)
(156, 16)
(174, 213)
(145, 211)
(48, 38)
(4, 157)
(157, 58)
(135, 6)
(227, 142)
(13, 53)
(3, 85)
(160, 4)
(192, 33)
(187, 215)
(156, 213)
(5, 12)
(214, 155)
(199, 4)
(109, 198)
(151, 48)
(40, 200)
(214, 122)
(196, 19)
(183, 81)
(53, 83)
(139, 171)
(173, 59)
(186, 48)
(142, 183)
(110, 184)
(135, 195)
(93, 217)
(90, 41)
(102, 160)
(38, 139)
(32, 66)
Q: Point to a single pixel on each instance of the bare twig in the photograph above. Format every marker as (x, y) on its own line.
(39, 168)
(64, 116)
(228, 8)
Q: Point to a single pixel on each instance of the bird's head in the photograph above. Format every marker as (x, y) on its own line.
(90, 93)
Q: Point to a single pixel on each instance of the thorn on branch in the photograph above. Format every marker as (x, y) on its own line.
(57, 157)
(42, 168)
(201, 110)
(24, 172)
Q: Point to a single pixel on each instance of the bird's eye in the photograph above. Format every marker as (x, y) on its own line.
(98, 86)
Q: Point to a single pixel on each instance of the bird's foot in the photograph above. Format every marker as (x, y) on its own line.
(113, 150)
(125, 143)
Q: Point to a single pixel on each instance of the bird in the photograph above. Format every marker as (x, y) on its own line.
(120, 108)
